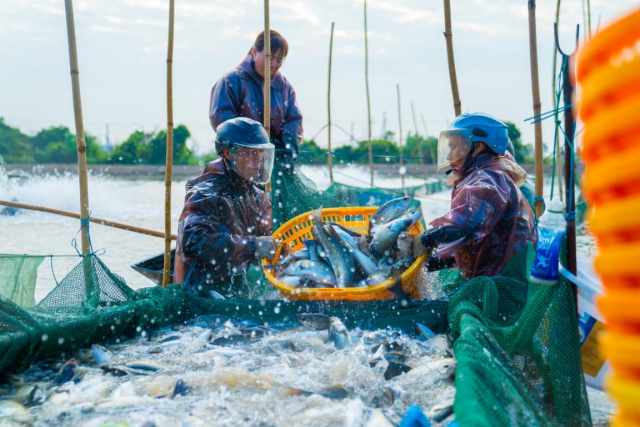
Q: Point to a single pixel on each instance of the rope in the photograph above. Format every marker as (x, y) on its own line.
(84, 222)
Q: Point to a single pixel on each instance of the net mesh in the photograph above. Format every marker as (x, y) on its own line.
(516, 344)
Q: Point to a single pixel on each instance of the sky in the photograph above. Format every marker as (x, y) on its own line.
(122, 48)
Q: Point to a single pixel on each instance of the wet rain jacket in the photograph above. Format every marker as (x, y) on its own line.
(222, 215)
(490, 219)
(239, 93)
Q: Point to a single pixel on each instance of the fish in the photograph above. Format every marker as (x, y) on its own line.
(441, 412)
(210, 321)
(9, 409)
(393, 369)
(66, 372)
(315, 321)
(423, 331)
(314, 271)
(215, 295)
(100, 354)
(296, 256)
(312, 247)
(231, 339)
(405, 246)
(388, 233)
(343, 232)
(180, 389)
(24, 395)
(145, 367)
(293, 281)
(338, 333)
(367, 266)
(341, 259)
(388, 212)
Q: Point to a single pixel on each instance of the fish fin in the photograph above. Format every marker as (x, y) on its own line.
(397, 290)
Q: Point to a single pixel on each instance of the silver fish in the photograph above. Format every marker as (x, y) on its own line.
(388, 233)
(293, 281)
(100, 354)
(312, 247)
(405, 245)
(338, 333)
(343, 232)
(341, 259)
(314, 271)
(296, 256)
(360, 259)
(315, 321)
(389, 211)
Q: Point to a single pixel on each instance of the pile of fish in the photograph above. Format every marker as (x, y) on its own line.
(218, 371)
(340, 257)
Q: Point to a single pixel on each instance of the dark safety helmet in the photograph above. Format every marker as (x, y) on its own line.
(251, 153)
(458, 140)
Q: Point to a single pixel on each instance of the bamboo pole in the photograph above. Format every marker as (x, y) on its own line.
(400, 139)
(415, 125)
(558, 170)
(426, 135)
(79, 124)
(100, 221)
(168, 172)
(537, 106)
(366, 76)
(329, 156)
(267, 79)
(448, 36)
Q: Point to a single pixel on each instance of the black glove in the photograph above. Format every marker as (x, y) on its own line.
(265, 247)
(434, 263)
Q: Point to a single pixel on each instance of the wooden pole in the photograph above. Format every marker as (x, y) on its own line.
(168, 172)
(558, 170)
(448, 36)
(266, 103)
(400, 138)
(100, 221)
(79, 124)
(569, 171)
(415, 126)
(426, 135)
(329, 156)
(537, 106)
(366, 76)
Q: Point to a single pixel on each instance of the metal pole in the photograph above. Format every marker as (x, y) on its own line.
(79, 124)
(426, 136)
(168, 172)
(448, 36)
(569, 172)
(329, 156)
(400, 139)
(366, 75)
(537, 106)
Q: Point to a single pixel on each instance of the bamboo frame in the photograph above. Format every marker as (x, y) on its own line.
(537, 106)
(168, 172)
(448, 36)
(366, 76)
(266, 103)
(79, 125)
(400, 139)
(329, 156)
(415, 125)
(95, 220)
(558, 170)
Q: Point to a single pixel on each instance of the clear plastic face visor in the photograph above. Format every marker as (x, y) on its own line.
(453, 147)
(254, 163)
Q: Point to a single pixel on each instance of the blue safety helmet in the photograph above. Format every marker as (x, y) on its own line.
(484, 128)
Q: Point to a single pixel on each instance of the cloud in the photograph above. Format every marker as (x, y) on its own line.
(404, 13)
(105, 29)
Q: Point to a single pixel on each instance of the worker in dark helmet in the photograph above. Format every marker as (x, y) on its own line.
(240, 93)
(226, 220)
(490, 219)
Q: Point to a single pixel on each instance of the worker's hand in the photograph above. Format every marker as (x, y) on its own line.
(265, 247)
(418, 249)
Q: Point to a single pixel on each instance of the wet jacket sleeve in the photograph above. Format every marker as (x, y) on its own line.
(475, 210)
(203, 236)
(292, 124)
(225, 102)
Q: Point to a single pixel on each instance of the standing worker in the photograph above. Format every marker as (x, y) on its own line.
(239, 93)
(226, 220)
(490, 220)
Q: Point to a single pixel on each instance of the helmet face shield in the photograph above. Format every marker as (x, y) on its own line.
(453, 147)
(253, 162)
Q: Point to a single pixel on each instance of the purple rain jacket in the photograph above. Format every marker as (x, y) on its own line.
(222, 215)
(239, 93)
(488, 205)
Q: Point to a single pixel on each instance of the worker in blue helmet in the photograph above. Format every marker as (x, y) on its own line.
(490, 219)
(226, 221)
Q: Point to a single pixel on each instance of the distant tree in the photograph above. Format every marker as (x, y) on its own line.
(310, 153)
(127, 152)
(15, 146)
(429, 148)
(150, 148)
(524, 153)
(58, 145)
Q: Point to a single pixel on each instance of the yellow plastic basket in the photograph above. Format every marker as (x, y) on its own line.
(298, 229)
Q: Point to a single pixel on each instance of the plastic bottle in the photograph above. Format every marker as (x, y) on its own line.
(551, 231)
